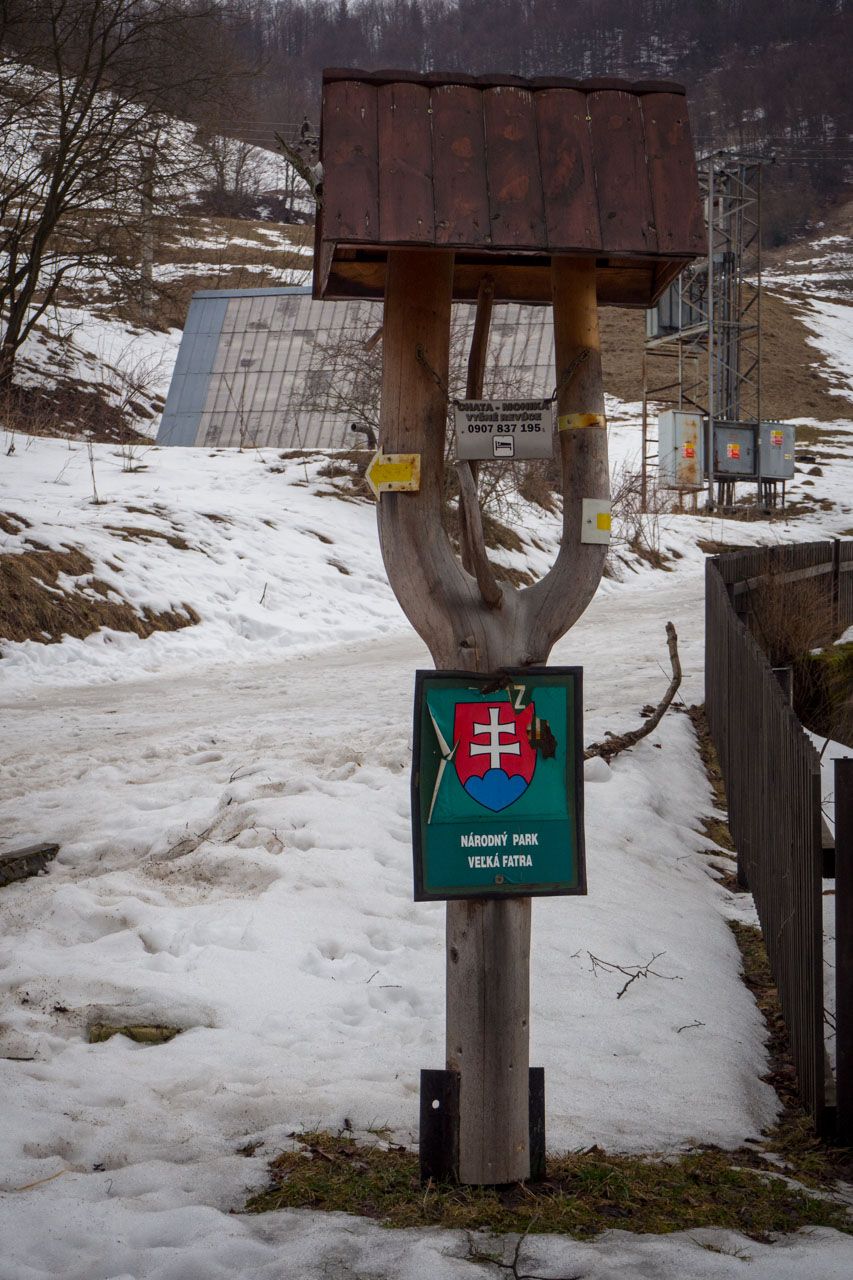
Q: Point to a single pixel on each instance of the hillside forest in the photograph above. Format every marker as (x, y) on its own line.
(766, 76)
(121, 115)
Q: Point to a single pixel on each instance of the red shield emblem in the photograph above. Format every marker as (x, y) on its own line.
(493, 756)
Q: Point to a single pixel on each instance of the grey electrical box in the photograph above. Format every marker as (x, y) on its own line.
(681, 449)
(776, 450)
(734, 450)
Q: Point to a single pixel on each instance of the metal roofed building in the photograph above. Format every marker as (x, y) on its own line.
(274, 367)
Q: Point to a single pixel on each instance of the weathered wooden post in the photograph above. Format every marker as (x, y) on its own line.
(442, 188)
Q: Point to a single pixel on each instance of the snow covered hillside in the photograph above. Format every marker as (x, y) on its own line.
(232, 804)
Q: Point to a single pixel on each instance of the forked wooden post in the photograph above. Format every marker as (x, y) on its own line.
(488, 942)
(441, 187)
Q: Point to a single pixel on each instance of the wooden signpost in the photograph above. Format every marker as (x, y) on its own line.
(497, 796)
(556, 192)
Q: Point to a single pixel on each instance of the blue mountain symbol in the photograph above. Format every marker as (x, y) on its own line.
(496, 790)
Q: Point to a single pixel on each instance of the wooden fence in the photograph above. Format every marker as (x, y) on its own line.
(772, 777)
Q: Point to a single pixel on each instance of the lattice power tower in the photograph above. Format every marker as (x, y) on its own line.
(702, 357)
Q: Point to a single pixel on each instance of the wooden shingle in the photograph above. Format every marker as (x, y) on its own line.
(506, 173)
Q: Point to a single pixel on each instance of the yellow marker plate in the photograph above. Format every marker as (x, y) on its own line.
(394, 473)
(569, 421)
(595, 520)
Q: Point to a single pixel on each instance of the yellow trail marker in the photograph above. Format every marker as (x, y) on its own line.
(570, 421)
(394, 473)
(595, 520)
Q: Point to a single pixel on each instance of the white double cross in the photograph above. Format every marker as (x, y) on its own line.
(495, 748)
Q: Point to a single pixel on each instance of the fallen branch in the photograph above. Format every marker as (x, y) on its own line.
(620, 742)
(632, 971)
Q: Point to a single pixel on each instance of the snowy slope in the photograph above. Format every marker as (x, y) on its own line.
(232, 804)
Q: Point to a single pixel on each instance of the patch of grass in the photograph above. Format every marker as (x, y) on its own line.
(133, 533)
(33, 606)
(823, 691)
(811, 434)
(583, 1193)
(500, 536)
(348, 466)
(515, 577)
(141, 1034)
(536, 485)
(69, 408)
(806, 1156)
(651, 555)
(808, 508)
(12, 524)
(708, 754)
(717, 829)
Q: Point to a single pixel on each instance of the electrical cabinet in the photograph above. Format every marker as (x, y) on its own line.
(734, 450)
(681, 449)
(737, 448)
(776, 450)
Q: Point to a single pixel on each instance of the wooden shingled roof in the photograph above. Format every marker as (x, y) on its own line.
(506, 172)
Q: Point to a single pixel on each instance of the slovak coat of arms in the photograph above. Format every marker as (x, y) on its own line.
(494, 759)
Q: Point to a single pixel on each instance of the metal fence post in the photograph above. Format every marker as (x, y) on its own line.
(844, 949)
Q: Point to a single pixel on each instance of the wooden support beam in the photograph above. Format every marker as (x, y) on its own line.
(473, 544)
(471, 541)
(580, 408)
(480, 339)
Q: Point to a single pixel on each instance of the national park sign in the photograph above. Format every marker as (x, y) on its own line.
(497, 805)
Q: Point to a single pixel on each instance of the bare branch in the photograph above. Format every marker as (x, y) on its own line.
(620, 742)
(632, 971)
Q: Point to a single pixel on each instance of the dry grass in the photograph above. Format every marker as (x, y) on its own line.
(12, 524)
(34, 606)
(791, 384)
(135, 533)
(823, 692)
(789, 619)
(68, 409)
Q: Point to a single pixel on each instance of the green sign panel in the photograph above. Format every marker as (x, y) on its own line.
(497, 794)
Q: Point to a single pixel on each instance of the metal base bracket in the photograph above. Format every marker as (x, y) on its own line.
(439, 1125)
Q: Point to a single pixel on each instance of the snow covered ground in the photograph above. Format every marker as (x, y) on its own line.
(232, 804)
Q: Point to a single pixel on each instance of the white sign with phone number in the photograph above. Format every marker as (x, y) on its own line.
(504, 429)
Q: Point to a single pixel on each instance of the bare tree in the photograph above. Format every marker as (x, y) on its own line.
(83, 84)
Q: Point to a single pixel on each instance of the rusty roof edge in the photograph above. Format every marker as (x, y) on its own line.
(436, 78)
